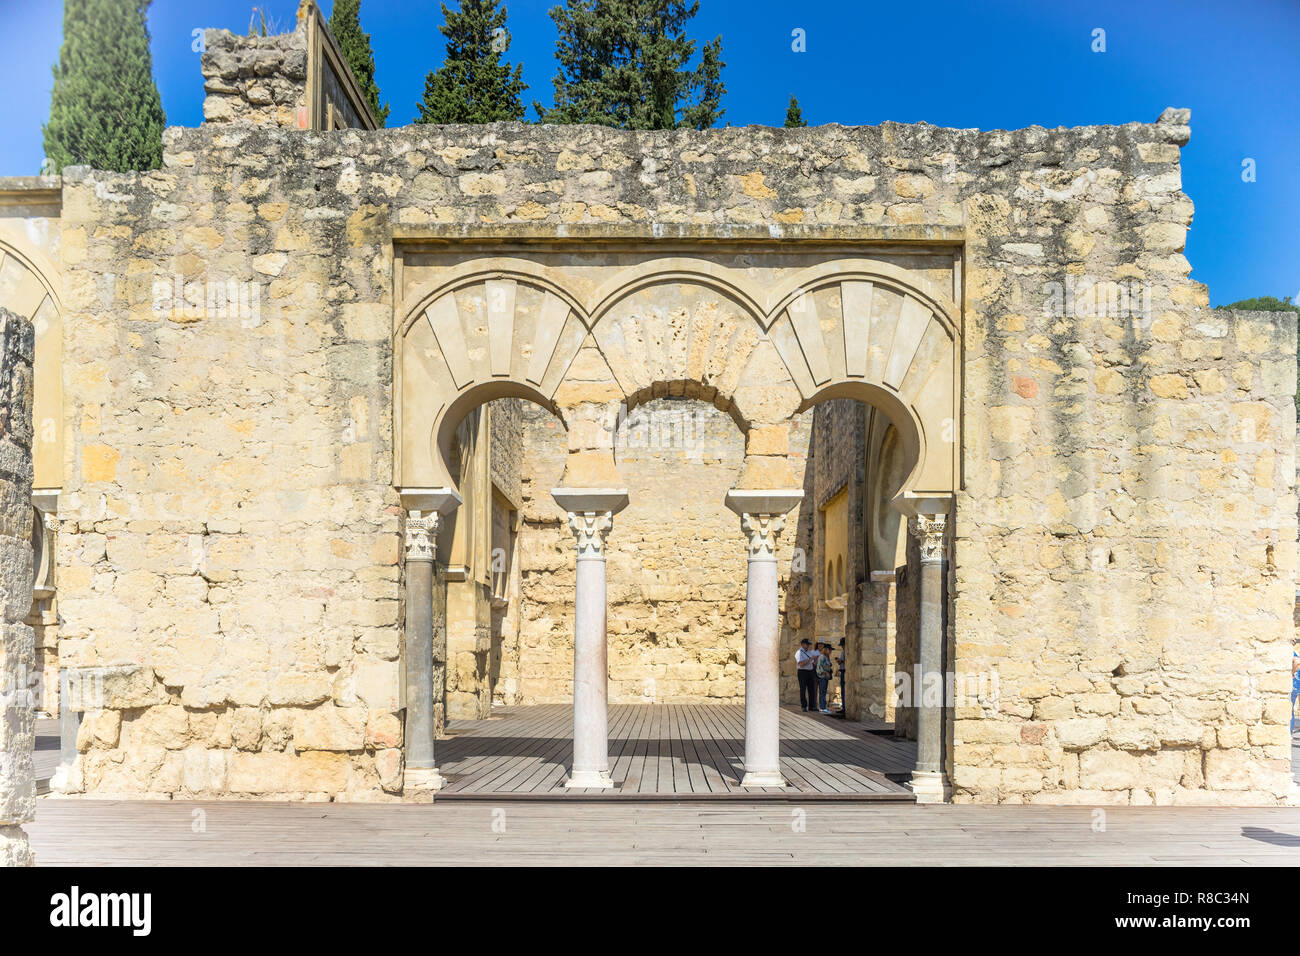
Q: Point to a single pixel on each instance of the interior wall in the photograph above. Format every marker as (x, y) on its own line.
(478, 550)
(676, 559)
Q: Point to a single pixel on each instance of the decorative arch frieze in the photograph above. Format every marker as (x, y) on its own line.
(852, 328)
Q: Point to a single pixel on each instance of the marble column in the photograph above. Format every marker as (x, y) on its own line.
(65, 778)
(762, 516)
(929, 782)
(591, 516)
(424, 510)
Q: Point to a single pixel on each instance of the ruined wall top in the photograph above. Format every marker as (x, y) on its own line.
(898, 181)
(297, 79)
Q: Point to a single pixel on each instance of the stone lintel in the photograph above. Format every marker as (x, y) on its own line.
(763, 501)
(921, 503)
(426, 500)
(433, 234)
(578, 500)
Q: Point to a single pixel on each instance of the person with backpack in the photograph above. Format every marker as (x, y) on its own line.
(825, 667)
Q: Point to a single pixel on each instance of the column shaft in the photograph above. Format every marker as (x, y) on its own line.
(762, 673)
(929, 715)
(590, 677)
(929, 782)
(421, 538)
(591, 516)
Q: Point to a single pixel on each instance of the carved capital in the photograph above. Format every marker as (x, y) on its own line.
(762, 530)
(421, 535)
(590, 529)
(928, 530)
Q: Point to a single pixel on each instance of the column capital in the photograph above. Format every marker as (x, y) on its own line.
(591, 515)
(589, 529)
(762, 516)
(421, 535)
(762, 530)
(928, 529)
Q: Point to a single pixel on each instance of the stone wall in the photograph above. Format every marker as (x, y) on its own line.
(29, 287)
(298, 79)
(17, 654)
(506, 447)
(1124, 544)
(839, 462)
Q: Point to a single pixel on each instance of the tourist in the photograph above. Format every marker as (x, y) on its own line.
(805, 661)
(1295, 683)
(824, 670)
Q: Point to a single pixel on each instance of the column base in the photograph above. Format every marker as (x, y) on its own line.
(66, 779)
(595, 779)
(416, 779)
(763, 778)
(930, 786)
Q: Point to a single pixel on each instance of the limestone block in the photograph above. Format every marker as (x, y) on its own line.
(246, 728)
(1107, 770)
(375, 684)
(329, 728)
(389, 765)
(1230, 770)
(299, 690)
(15, 850)
(287, 774)
(1079, 734)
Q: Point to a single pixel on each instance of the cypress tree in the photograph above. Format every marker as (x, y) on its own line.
(105, 110)
(794, 115)
(473, 85)
(625, 63)
(345, 24)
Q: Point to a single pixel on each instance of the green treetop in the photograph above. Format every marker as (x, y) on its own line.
(625, 63)
(473, 85)
(794, 115)
(105, 110)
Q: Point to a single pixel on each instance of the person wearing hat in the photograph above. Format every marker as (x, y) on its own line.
(805, 662)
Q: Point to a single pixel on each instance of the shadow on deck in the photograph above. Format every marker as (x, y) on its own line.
(670, 752)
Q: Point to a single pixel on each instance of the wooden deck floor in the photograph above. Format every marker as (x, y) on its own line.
(669, 751)
(628, 833)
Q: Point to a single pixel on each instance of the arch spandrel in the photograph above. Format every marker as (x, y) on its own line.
(677, 330)
(475, 339)
(869, 337)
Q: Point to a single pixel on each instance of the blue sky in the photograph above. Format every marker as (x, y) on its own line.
(997, 64)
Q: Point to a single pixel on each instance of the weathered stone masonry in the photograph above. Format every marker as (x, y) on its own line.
(17, 651)
(1119, 550)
